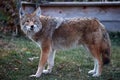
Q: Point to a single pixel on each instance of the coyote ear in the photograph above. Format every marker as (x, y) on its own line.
(38, 11)
(21, 12)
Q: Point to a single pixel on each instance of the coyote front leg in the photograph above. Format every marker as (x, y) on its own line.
(46, 49)
(50, 62)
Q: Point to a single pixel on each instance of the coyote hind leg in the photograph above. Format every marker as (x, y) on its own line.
(94, 69)
(95, 51)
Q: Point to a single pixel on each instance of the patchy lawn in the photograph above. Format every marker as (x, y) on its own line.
(69, 65)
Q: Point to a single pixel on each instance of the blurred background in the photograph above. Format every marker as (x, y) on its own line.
(9, 19)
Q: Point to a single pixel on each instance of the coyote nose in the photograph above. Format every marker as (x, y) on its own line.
(32, 26)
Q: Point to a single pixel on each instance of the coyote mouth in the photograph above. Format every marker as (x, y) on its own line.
(32, 29)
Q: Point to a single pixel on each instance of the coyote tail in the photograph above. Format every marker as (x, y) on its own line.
(106, 48)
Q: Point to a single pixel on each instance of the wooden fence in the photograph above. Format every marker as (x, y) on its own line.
(107, 12)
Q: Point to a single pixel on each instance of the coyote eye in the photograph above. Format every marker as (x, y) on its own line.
(35, 22)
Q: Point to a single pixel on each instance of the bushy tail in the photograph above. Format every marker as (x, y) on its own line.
(106, 48)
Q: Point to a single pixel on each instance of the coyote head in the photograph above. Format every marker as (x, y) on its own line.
(30, 23)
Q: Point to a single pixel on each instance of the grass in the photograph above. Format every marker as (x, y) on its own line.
(69, 65)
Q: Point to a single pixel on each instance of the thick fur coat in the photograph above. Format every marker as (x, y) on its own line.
(53, 34)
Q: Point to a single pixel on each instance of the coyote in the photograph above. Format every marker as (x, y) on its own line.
(51, 34)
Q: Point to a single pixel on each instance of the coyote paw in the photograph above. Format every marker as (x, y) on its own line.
(96, 75)
(91, 72)
(34, 75)
(46, 71)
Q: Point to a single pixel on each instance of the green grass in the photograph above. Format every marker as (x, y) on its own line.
(69, 65)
